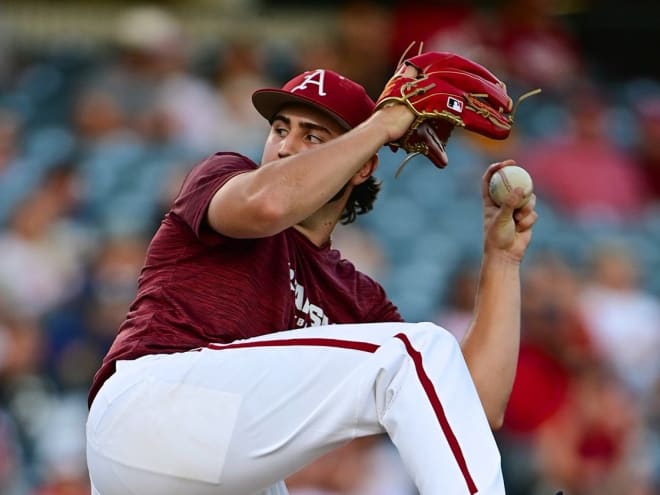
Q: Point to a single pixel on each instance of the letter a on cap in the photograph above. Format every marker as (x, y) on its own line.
(317, 78)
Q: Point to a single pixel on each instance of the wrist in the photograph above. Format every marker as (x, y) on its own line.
(396, 117)
(500, 257)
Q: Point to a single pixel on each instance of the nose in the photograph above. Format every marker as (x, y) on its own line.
(288, 146)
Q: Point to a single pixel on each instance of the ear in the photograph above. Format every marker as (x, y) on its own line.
(366, 171)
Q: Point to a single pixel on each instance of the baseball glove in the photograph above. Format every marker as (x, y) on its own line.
(448, 91)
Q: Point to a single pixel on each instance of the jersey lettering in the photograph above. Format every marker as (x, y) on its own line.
(299, 292)
(311, 314)
(317, 78)
(317, 316)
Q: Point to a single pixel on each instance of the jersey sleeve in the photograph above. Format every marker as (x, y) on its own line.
(202, 183)
(380, 308)
(385, 310)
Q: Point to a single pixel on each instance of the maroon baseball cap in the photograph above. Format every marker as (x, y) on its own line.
(344, 100)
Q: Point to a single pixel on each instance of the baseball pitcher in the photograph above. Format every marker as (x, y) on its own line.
(253, 348)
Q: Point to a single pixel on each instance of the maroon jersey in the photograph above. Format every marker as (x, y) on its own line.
(198, 286)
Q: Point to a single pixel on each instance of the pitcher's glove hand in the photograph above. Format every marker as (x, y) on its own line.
(448, 91)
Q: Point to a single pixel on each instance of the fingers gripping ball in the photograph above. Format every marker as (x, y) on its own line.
(506, 180)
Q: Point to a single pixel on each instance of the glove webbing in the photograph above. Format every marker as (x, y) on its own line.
(476, 105)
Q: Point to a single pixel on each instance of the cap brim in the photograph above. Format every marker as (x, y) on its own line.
(269, 101)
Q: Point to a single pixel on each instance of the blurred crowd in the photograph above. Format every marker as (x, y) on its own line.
(94, 145)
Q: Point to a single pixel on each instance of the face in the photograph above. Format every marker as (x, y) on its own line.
(298, 128)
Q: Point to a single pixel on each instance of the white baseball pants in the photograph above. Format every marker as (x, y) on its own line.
(236, 419)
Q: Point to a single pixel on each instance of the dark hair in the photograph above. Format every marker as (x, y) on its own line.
(361, 200)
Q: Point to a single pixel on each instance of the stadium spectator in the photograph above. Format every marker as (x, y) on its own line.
(646, 149)
(42, 253)
(622, 317)
(580, 170)
(536, 45)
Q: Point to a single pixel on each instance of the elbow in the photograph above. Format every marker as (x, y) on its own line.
(267, 216)
(251, 217)
(496, 422)
(264, 216)
(495, 417)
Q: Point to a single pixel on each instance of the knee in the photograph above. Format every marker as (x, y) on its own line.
(425, 335)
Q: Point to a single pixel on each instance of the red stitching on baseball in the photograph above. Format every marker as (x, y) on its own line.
(505, 179)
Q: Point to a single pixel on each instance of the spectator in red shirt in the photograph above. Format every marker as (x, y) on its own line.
(581, 170)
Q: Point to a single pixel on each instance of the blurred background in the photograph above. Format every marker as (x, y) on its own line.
(105, 105)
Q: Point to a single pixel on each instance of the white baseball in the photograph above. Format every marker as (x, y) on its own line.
(507, 179)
